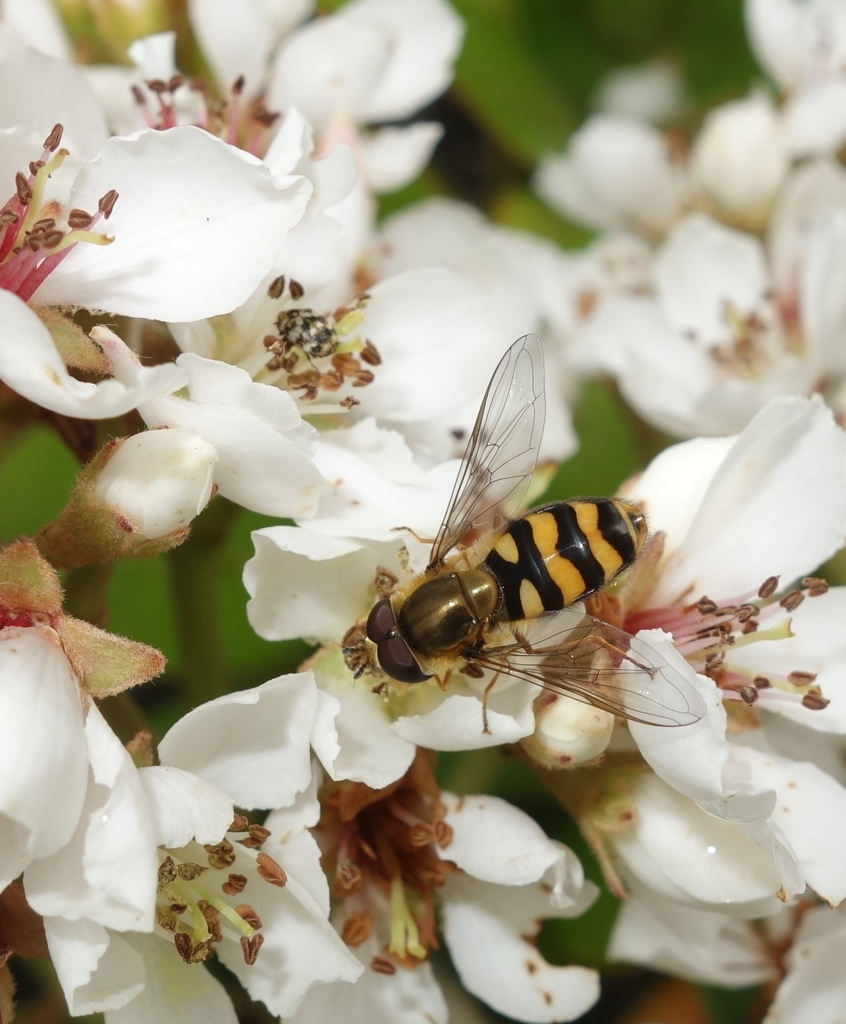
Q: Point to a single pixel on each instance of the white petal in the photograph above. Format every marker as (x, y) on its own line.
(234, 40)
(496, 842)
(393, 157)
(30, 364)
(410, 996)
(456, 723)
(191, 240)
(253, 745)
(300, 950)
(175, 992)
(355, 740)
(292, 845)
(98, 970)
(184, 807)
(815, 121)
(704, 268)
(107, 872)
(676, 849)
(263, 444)
(41, 707)
(374, 485)
(697, 760)
(61, 86)
(702, 945)
(425, 37)
(307, 584)
(815, 983)
(435, 355)
(776, 33)
(617, 173)
(811, 811)
(488, 930)
(791, 457)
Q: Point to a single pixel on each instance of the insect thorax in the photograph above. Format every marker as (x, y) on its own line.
(448, 610)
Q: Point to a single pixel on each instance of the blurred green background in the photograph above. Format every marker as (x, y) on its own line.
(525, 80)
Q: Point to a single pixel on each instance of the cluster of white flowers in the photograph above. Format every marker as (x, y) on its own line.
(326, 369)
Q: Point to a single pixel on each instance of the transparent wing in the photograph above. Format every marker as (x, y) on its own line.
(601, 665)
(502, 450)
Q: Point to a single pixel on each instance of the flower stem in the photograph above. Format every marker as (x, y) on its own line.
(195, 581)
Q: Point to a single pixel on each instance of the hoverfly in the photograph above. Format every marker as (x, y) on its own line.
(478, 608)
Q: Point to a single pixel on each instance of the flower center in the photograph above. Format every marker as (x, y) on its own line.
(198, 889)
(707, 631)
(381, 857)
(318, 353)
(31, 242)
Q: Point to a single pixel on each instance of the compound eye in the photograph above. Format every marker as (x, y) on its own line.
(397, 661)
(381, 622)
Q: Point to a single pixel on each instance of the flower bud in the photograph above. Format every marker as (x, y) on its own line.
(568, 732)
(740, 158)
(159, 479)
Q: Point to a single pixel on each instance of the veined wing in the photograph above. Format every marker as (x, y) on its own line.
(502, 450)
(601, 665)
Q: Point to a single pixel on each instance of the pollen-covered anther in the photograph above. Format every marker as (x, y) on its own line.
(270, 870)
(240, 823)
(421, 834)
(221, 855)
(443, 834)
(188, 871)
(358, 927)
(761, 682)
(768, 587)
(250, 946)
(166, 874)
(813, 700)
(234, 884)
(191, 952)
(748, 694)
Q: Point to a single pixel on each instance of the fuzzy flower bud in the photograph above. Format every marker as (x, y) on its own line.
(567, 732)
(160, 480)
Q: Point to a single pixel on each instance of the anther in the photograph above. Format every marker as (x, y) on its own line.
(814, 701)
(51, 143)
(791, 600)
(815, 586)
(800, 678)
(358, 927)
(382, 965)
(270, 871)
(250, 946)
(748, 694)
(768, 587)
(234, 884)
(246, 913)
(277, 287)
(761, 682)
(296, 289)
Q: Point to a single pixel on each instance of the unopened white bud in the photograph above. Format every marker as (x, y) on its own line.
(740, 158)
(159, 479)
(568, 732)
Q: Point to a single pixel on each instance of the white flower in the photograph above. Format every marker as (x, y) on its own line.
(616, 173)
(159, 479)
(708, 348)
(143, 840)
(390, 853)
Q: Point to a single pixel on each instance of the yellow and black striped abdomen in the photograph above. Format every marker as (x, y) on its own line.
(558, 554)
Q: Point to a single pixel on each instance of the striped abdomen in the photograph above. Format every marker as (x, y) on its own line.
(562, 552)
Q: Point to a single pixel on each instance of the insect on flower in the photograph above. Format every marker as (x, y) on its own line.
(492, 603)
